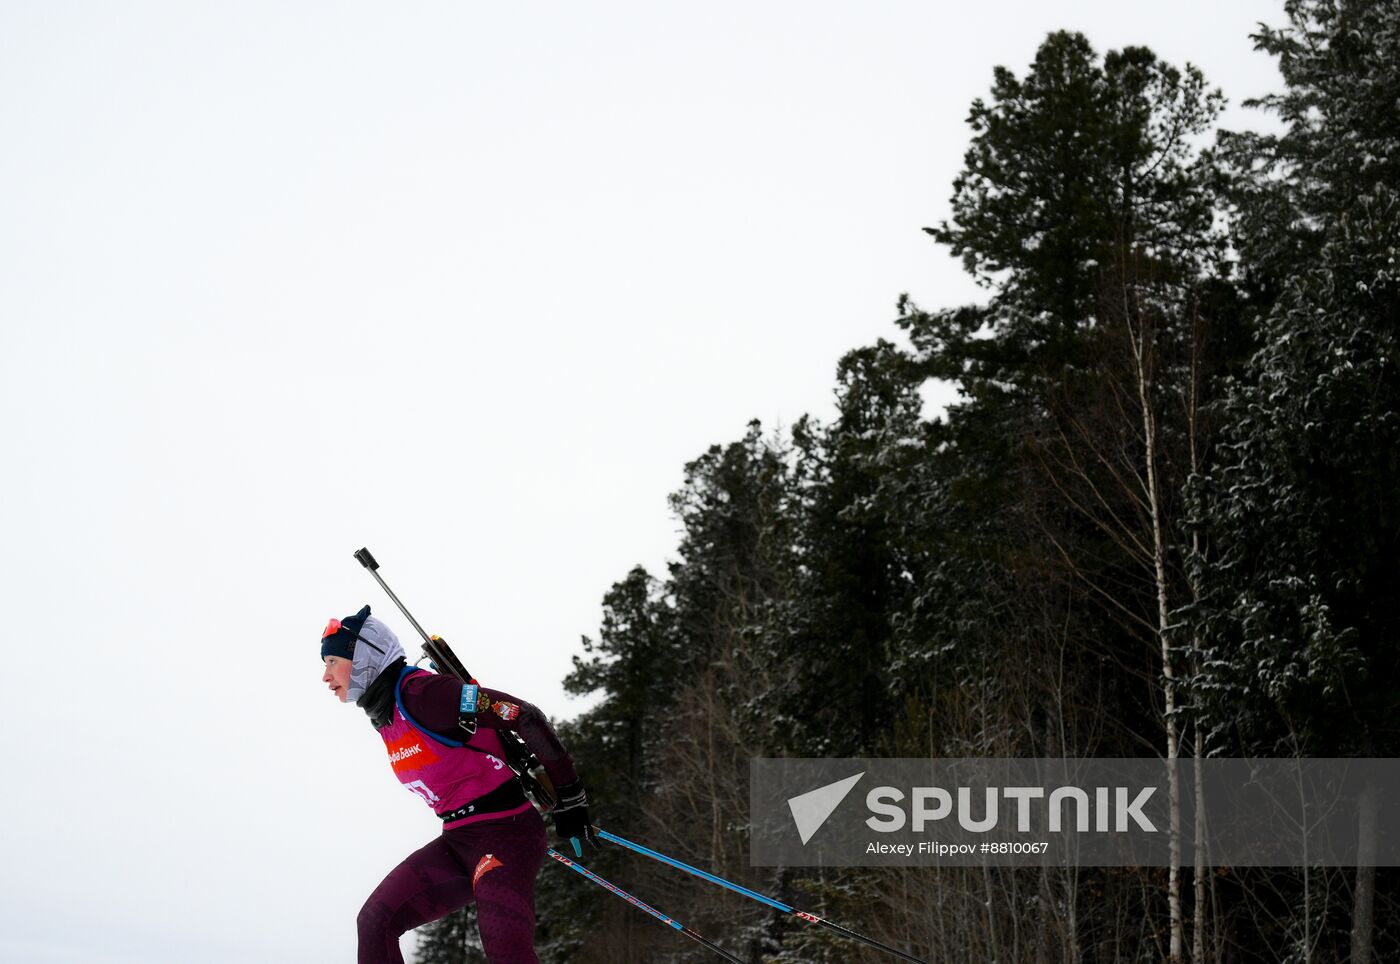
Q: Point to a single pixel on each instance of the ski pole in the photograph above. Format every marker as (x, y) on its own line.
(640, 905)
(775, 904)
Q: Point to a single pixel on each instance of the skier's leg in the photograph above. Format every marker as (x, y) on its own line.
(428, 884)
(505, 857)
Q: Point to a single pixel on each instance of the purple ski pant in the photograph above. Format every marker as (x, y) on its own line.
(502, 855)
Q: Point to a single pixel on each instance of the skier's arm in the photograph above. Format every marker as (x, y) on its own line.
(505, 712)
(501, 711)
(435, 702)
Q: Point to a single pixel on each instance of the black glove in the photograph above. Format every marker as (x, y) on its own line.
(571, 817)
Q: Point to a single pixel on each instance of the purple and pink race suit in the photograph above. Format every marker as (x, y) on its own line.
(458, 785)
(493, 841)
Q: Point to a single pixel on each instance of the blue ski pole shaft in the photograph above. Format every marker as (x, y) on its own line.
(753, 895)
(642, 905)
(775, 904)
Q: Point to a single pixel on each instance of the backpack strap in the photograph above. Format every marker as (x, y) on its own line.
(433, 734)
(515, 753)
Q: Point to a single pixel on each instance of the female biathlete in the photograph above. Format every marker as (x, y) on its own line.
(493, 840)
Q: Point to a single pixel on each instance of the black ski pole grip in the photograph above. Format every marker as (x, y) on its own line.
(366, 560)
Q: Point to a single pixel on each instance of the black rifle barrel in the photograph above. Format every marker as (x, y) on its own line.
(367, 560)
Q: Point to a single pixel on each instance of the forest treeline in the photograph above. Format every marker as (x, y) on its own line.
(1162, 520)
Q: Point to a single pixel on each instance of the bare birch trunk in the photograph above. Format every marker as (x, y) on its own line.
(1159, 562)
(1198, 869)
(1198, 920)
(1363, 914)
(990, 906)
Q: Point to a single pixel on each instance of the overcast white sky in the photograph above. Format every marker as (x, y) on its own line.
(466, 284)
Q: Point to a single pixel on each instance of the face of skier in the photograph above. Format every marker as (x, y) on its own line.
(337, 675)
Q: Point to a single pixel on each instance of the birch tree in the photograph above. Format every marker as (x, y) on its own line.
(1086, 207)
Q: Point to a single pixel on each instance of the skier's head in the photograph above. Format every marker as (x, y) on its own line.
(355, 650)
(340, 635)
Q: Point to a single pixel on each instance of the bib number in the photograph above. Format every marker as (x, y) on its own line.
(421, 788)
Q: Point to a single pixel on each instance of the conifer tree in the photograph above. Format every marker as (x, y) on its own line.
(451, 940)
(1301, 507)
(1087, 210)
